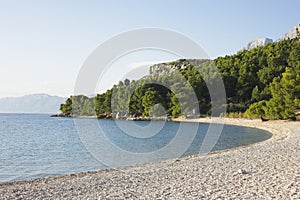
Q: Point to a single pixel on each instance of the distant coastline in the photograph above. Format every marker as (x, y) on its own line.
(33, 103)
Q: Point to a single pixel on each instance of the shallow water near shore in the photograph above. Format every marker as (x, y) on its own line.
(33, 146)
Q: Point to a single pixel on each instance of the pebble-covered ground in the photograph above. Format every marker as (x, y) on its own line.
(267, 170)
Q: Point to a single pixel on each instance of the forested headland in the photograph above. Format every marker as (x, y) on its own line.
(262, 82)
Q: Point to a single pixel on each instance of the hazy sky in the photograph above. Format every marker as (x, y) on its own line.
(43, 43)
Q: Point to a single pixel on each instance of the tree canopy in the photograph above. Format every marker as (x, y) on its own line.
(264, 81)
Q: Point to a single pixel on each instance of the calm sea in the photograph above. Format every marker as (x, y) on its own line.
(34, 145)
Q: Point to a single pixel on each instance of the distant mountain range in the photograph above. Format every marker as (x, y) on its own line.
(33, 103)
(264, 41)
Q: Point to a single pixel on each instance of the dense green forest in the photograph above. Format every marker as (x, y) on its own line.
(264, 81)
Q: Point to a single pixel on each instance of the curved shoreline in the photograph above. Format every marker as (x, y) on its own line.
(168, 179)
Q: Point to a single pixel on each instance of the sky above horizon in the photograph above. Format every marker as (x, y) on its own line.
(43, 44)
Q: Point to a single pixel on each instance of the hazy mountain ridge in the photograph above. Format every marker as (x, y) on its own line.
(257, 43)
(264, 41)
(170, 67)
(291, 34)
(33, 103)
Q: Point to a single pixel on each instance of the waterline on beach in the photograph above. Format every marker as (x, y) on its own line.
(36, 146)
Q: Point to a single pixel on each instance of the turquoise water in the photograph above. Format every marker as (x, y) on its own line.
(33, 146)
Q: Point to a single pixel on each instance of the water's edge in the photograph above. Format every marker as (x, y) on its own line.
(84, 170)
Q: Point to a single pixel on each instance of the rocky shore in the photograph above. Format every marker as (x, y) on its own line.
(266, 170)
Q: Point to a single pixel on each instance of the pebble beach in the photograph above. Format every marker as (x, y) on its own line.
(265, 170)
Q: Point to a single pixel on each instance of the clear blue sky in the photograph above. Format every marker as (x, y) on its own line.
(44, 43)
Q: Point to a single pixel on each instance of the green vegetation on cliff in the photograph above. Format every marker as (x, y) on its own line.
(264, 81)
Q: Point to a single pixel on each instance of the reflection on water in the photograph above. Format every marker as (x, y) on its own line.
(34, 146)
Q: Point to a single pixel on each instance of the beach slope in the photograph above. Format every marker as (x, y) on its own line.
(266, 170)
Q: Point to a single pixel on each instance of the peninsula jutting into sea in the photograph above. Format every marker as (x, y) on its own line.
(260, 82)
